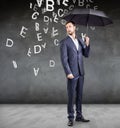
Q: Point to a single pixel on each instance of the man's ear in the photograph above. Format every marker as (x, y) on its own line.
(75, 27)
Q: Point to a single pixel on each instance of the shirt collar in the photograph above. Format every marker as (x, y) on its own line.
(72, 37)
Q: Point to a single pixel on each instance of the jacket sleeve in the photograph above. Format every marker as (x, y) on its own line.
(85, 48)
(64, 58)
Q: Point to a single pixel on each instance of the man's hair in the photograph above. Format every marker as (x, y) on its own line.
(70, 22)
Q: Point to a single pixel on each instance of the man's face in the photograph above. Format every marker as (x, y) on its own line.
(70, 28)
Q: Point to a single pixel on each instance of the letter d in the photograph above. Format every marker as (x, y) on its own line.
(9, 42)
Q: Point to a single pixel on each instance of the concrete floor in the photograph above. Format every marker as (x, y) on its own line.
(54, 116)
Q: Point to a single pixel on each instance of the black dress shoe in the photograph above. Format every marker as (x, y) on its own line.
(70, 123)
(82, 119)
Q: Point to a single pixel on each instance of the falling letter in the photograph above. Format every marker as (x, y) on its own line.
(35, 49)
(34, 15)
(39, 2)
(23, 32)
(56, 42)
(45, 30)
(65, 3)
(29, 52)
(52, 63)
(36, 71)
(37, 26)
(14, 64)
(8, 44)
(39, 37)
(44, 45)
(54, 32)
(49, 7)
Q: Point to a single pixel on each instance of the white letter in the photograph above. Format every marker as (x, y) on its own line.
(74, 1)
(44, 45)
(63, 22)
(66, 12)
(30, 5)
(56, 42)
(81, 3)
(29, 52)
(95, 7)
(14, 64)
(71, 7)
(36, 71)
(43, 10)
(23, 32)
(35, 49)
(7, 42)
(65, 3)
(88, 6)
(83, 36)
(35, 8)
(92, 28)
(54, 32)
(45, 30)
(37, 26)
(34, 15)
(56, 19)
(46, 19)
(39, 2)
(51, 63)
(60, 10)
(49, 7)
(58, 2)
(39, 37)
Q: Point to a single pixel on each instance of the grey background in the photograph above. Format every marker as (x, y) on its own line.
(20, 85)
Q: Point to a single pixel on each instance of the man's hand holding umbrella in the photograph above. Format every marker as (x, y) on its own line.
(87, 40)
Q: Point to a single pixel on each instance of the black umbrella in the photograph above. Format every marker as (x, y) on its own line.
(88, 17)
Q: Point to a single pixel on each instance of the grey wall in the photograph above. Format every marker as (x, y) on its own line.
(18, 83)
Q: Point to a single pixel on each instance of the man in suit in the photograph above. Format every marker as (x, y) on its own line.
(72, 50)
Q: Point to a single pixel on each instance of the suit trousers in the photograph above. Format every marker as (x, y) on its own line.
(75, 90)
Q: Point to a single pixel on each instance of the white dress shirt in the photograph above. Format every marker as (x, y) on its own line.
(75, 42)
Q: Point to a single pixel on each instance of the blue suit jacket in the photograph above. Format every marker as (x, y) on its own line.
(72, 60)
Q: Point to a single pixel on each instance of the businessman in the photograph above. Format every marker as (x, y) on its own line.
(72, 50)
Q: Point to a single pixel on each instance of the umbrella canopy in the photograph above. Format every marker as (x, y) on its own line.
(89, 17)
